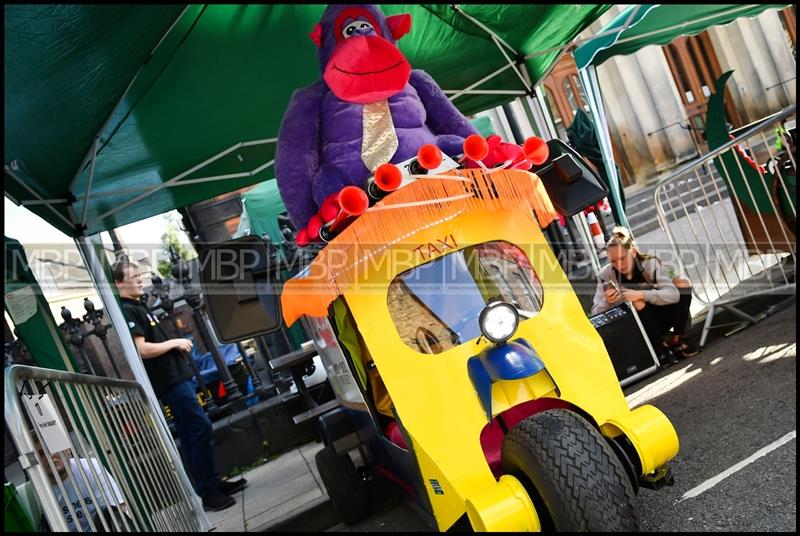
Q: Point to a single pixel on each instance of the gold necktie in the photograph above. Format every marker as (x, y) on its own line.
(379, 140)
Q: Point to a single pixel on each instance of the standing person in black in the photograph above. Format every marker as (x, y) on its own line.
(171, 378)
(661, 298)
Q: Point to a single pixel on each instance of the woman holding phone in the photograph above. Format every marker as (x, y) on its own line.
(661, 298)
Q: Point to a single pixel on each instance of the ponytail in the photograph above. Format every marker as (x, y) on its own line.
(621, 236)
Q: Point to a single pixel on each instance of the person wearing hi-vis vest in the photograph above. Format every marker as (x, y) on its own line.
(171, 378)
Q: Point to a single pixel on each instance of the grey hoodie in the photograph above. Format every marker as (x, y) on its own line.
(664, 291)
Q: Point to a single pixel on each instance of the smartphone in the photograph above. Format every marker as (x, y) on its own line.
(609, 284)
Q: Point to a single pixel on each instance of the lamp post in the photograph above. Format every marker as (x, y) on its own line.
(194, 298)
(195, 301)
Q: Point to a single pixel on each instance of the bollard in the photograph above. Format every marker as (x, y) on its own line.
(258, 387)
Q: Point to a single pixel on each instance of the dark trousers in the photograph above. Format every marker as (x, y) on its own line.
(196, 434)
(658, 320)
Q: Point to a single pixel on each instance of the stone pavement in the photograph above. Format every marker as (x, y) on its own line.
(277, 492)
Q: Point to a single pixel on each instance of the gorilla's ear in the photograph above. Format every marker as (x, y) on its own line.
(399, 25)
(316, 35)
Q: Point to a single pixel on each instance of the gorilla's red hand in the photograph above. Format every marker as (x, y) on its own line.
(335, 210)
(517, 156)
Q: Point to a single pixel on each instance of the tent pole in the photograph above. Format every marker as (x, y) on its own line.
(512, 64)
(574, 42)
(96, 266)
(182, 183)
(93, 152)
(479, 82)
(546, 126)
(513, 123)
(28, 202)
(176, 178)
(89, 185)
(591, 86)
(483, 27)
(500, 42)
(543, 124)
(40, 198)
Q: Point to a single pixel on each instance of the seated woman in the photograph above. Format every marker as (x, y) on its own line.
(661, 299)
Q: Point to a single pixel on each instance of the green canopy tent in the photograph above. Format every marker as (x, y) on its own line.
(634, 28)
(182, 103)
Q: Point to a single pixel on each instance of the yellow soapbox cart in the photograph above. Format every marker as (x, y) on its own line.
(465, 369)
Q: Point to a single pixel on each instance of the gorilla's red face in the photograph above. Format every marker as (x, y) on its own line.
(364, 67)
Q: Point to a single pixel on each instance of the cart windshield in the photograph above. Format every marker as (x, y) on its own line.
(435, 306)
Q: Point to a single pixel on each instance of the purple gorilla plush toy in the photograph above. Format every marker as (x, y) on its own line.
(334, 129)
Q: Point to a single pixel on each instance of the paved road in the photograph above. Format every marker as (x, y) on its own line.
(731, 402)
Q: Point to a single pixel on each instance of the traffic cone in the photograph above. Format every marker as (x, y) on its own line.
(596, 230)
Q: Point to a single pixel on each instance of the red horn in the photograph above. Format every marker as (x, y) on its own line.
(388, 177)
(475, 147)
(353, 200)
(536, 150)
(429, 156)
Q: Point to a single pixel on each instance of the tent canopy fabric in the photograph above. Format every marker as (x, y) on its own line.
(182, 103)
(659, 25)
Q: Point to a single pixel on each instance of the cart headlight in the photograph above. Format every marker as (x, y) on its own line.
(499, 321)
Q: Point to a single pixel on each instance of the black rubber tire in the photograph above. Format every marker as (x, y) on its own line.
(571, 472)
(345, 488)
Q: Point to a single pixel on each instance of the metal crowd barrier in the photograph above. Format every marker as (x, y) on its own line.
(63, 417)
(729, 251)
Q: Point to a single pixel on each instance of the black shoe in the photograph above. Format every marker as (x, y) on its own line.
(229, 488)
(214, 501)
(667, 358)
(683, 349)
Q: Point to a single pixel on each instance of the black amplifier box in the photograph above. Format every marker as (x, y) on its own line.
(626, 342)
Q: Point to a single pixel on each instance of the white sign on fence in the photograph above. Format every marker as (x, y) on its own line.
(45, 418)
